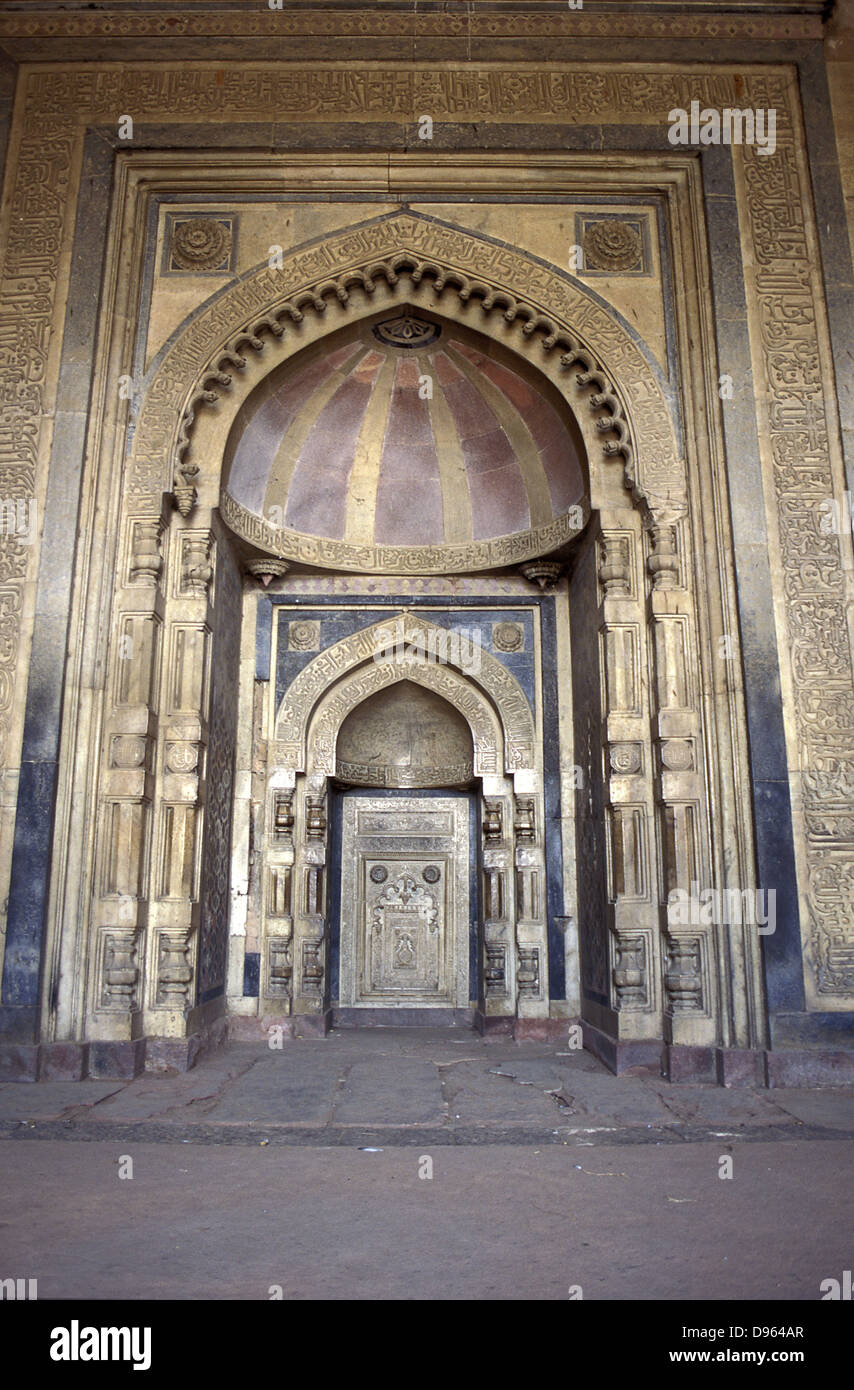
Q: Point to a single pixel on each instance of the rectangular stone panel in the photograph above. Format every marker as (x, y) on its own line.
(404, 903)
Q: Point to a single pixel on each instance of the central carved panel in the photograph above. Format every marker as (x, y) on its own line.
(404, 929)
(404, 902)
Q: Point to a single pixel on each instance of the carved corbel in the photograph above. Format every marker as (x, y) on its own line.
(614, 562)
(630, 970)
(492, 822)
(184, 492)
(495, 970)
(312, 968)
(283, 815)
(528, 971)
(683, 977)
(544, 573)
(524, 820)
(315, 817)
(267, 569)
(174, 972)
(281, 965)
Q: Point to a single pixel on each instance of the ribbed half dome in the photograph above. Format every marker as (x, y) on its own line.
(405, 432)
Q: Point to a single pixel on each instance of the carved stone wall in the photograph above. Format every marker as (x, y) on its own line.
(795, 412)
(216, 857)
(595, 914)
(798, 424)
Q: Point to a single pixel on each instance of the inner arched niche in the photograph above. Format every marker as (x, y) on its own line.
(405, 736)
(407, 429)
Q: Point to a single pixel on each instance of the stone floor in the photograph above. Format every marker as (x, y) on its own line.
(422, 1164)
(503, 1221)
(412, 1086)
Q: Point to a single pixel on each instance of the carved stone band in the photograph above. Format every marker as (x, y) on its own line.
(392, 559)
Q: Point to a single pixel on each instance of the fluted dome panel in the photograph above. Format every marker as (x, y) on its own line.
(406, 432)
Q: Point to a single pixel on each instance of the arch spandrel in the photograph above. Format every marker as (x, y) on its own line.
(556, 321)
(492, 684)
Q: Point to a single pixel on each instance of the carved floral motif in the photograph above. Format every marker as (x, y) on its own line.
(304, 635)
(201, 243)
(612, 245)
(508, 637)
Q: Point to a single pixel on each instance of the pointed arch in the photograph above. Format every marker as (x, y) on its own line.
(325, 723)
(619, 397)
(449, 667)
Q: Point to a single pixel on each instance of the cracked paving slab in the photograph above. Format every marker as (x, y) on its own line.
(715, 1105)
(286, 1087)
(401, 1090)
(153, 1095)
(579, 1089)
(50, 1099)
(452, 1086)
(830, 1107)
(477, 1095)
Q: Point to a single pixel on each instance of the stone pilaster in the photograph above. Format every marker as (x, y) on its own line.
(310, 936)
(635, 993)
(277, 901)
(532, 962)
(499, 895)
(177, 829)
(690, 949)
(120, 911)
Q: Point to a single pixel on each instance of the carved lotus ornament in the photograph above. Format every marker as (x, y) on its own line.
(508, 637)
(612, 245)
(304, 636)
(201, 243)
